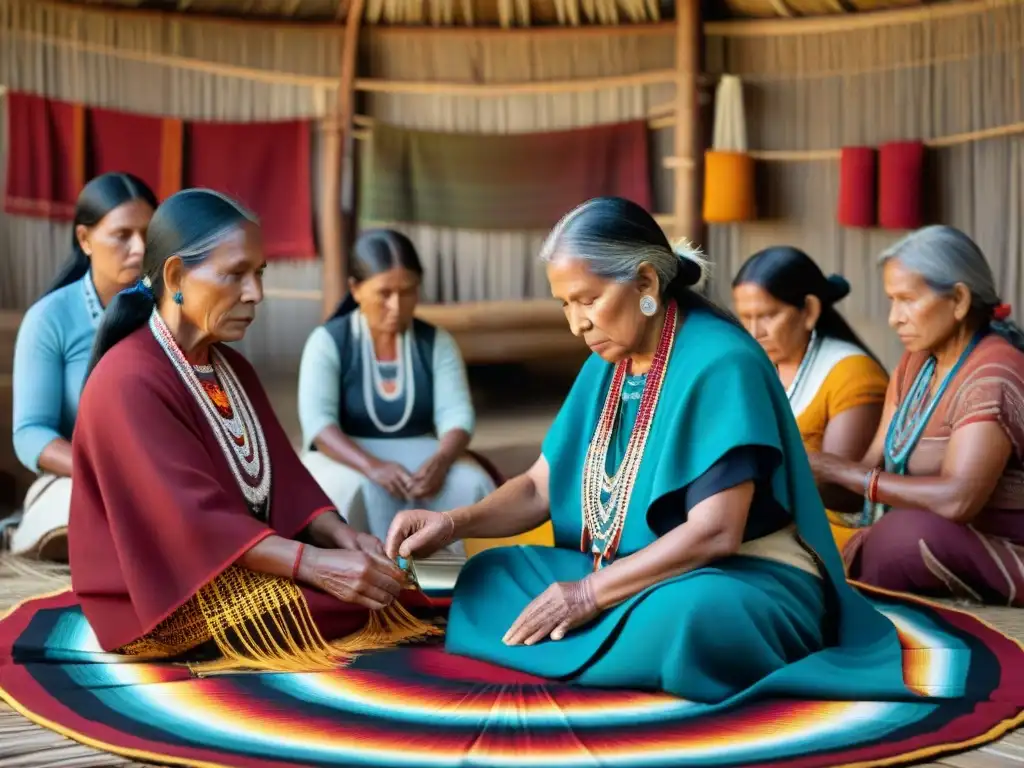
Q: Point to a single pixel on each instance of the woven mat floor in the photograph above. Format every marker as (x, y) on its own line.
(24, 745)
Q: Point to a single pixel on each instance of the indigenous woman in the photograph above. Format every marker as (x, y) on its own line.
(194, 525)
(943, 479)
(52, 349)
(834, 384)
(383, 399)
(692, 554)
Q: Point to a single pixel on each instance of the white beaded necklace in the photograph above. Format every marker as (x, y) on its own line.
(373, 383)
(241, 437)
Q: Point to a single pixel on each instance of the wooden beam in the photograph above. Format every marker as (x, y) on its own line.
(334, 240)
(686, 210)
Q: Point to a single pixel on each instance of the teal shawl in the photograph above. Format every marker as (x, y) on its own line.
(720, 392)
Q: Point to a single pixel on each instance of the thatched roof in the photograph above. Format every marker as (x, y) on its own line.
(507, 12)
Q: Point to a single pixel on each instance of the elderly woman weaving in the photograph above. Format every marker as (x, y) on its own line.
(194, 525)
(692, 554)
(942, 480)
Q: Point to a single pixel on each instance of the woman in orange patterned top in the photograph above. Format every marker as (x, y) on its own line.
(835, 385)
(944, 477)
(194, 525)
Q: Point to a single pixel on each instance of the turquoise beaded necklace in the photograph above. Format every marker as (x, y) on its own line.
(911, 418)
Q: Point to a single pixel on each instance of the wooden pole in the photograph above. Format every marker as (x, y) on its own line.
(334, 241)
(686, 210)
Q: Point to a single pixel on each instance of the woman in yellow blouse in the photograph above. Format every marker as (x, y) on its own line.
(836, 387)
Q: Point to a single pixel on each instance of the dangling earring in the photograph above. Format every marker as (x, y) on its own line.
(179, 299)
(648, 305)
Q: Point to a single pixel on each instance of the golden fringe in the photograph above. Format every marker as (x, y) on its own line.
(262, 623)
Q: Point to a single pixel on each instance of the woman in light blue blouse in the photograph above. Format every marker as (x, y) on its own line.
(54, 343)
(383, 399)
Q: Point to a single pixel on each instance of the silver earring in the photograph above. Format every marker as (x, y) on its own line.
(648, 305)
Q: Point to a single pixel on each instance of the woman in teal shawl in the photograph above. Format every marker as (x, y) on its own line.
(692, 553)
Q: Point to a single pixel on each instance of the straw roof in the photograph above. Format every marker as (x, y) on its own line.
(507, 13)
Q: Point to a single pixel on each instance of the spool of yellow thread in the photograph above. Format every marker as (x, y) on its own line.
(728, 187)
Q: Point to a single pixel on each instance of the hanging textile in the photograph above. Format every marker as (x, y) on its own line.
(147, 147)
(728, 169)
(523, 181)
(266, 167)
(45, 156)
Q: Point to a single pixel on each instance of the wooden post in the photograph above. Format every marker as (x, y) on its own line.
(687, 209)
(334, 241)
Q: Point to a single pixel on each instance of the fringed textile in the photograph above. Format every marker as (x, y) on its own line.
(262, 622)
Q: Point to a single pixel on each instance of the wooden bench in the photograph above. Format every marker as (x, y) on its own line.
(506, 331)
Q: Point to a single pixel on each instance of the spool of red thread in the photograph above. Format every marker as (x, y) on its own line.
(901, 185)
(858, 167)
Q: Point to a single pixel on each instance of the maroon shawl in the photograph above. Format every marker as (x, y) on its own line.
(156, 513)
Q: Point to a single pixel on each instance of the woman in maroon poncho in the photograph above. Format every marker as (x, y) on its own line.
(193, 522)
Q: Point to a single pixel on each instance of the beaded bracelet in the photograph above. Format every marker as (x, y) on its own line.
(298, 561)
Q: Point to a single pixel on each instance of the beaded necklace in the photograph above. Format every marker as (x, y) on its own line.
(911, 418)
(373, 382)
(603, 521)
(229, 413)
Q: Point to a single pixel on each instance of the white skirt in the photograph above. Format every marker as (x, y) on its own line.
(369, 508)
(43, 531)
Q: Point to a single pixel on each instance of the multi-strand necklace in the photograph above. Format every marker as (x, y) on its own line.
(230, 415)
(911, 418)
(373, 382)
(604, 518)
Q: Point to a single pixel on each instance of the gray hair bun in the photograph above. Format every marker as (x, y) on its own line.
(693, 267)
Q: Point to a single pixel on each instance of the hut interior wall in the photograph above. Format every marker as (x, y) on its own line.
(63, 52)
(805, 90)
(866, 86)
(474, 265)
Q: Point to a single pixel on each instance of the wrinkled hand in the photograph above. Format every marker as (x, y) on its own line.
(356, 541)
(419, 532)
(371, 581)
(393, 478)
(429, 478)
(561, 607)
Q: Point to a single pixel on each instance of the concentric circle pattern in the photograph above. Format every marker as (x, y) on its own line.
(422, 708)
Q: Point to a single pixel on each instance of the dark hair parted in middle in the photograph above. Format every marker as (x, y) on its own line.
(790, 276)
(377, 251)
(190, 225)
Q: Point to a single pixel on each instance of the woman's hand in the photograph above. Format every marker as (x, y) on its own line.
(430, 477)
(826, 467)
(561, 607)
(392, 477)
(354, 541)
(369, 580)
(419, 532)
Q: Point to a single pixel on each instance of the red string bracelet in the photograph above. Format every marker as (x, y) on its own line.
(876, 473)
(298, 561)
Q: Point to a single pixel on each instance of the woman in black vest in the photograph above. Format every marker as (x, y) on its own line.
(384, 403)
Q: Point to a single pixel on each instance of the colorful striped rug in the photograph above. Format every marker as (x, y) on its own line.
(418, 707)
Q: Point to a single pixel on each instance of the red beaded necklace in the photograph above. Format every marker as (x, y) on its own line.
(603, 521)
